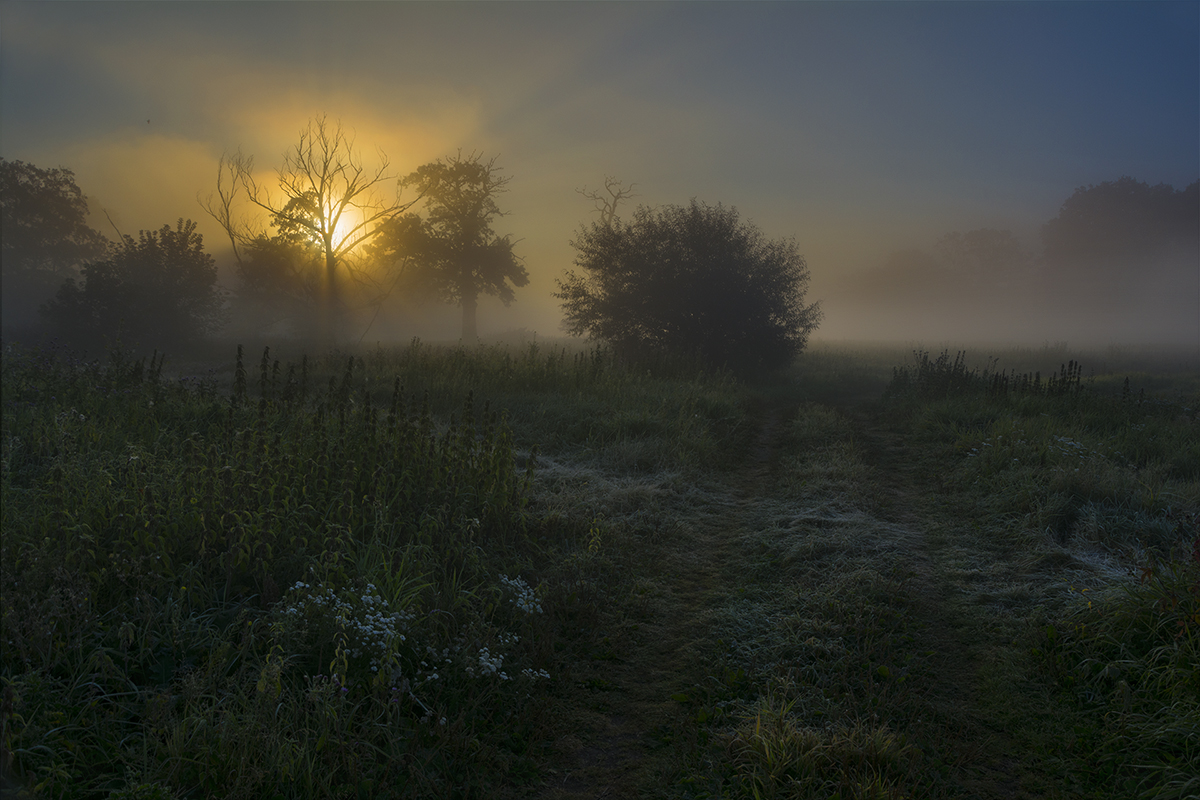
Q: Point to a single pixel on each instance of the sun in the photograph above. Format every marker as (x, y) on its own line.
(343, 230)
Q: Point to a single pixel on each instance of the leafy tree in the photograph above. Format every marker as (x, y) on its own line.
(45, 235)
(454, 248)
(158, 290)
(325, 196)
(693, 280)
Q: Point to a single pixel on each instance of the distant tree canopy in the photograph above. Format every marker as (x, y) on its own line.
(693, 280)
(1122, 224)
(44, 235)
(454, 250)
(159, 290)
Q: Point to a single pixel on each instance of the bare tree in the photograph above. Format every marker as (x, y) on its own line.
(324, 193)
(614, 192)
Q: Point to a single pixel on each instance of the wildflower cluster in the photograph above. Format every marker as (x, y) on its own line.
(489, 664)
(525, 598)
(65, 417)
(371, 629)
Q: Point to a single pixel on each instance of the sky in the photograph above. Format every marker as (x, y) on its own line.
(856, 128)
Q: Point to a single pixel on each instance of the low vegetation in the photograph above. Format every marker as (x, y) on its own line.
(1093, 480)
(537, 571)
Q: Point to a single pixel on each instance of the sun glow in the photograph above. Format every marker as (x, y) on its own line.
(343, 230)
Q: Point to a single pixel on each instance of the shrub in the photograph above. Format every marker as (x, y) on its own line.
(692, 280)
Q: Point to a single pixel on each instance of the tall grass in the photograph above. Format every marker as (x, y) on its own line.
(334, 576)
(568, 400)
(302, 589)
(1079, 471)
(1130, 661)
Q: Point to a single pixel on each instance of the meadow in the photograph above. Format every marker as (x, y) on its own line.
(533, 571)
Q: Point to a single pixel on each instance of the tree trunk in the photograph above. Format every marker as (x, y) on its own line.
(470, 335)
(331, 301)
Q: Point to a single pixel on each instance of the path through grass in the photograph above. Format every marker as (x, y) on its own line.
(833, 618)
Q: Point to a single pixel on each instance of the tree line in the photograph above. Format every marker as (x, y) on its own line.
(330, 243)
(1108, 243)
(327, 240)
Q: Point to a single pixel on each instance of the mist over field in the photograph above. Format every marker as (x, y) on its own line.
(950, 173)
(570, 400)
(1118, 264)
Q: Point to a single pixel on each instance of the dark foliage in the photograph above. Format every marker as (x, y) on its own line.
(454, 248)
(690, 280)
(275, 269)
(281, 275)
(45, 235)
(159, 289)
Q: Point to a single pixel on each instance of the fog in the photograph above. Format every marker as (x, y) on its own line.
(1120, 263)
(942, 167)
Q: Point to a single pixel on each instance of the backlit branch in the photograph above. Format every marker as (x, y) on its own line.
(321, 182)
(607, 206)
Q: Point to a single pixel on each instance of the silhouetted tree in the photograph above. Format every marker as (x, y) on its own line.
(159, 290)
(325, 195)
(44, 236)
(691, 280)
(454, 248)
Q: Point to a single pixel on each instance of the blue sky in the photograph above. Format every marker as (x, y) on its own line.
(856, 127)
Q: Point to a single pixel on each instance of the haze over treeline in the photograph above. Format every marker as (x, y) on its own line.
(949, 173)
(1118, 263)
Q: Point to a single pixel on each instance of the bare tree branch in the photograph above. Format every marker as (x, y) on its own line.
(221, 208)
(615, 190)
(323, 189)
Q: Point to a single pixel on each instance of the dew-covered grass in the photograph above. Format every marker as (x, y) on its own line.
(334, 576)
(432, 571)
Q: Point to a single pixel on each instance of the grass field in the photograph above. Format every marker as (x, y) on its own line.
(531, 571)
